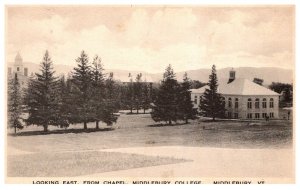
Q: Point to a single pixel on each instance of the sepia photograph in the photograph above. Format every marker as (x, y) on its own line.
(156, 94)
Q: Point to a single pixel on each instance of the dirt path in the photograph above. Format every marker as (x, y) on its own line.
(212, 162)
(206, 163)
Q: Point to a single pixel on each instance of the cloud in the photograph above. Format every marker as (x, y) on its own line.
(150, 39)
(236, 34)
(51, 30)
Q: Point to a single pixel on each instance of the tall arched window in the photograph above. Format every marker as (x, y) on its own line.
(249, 104)
(229, 103)
(256, 103)
(236, 103)
(264, 103)
(271, 103)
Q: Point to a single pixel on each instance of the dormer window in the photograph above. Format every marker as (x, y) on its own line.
(231, 76)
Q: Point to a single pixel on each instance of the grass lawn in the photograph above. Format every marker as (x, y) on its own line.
(138, 130)
(69, 164)
(60, 154)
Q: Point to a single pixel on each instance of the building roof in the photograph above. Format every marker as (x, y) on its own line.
(239, 86)
(18, 58)
(199, 90)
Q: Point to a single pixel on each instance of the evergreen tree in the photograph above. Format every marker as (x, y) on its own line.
(185, 104)
(98, 88)
(211, 102)
(124, 97)
(166, 101)
(42, 105)
(145, 97)
(137, 87)
(14, 104)
(65, 103)
(110, 103)
(82, 78)
(130, 93)
(110, 87)
(286, 89)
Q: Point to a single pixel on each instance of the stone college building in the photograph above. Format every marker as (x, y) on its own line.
(244, 99)
(17, 68)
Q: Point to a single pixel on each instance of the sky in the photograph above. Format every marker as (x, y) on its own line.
(145, 38)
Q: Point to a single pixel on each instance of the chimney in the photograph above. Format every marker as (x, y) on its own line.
(231, 76)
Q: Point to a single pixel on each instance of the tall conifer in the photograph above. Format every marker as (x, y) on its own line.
(14, 104)
(186, 110)
(211, 102)
(82, 94)
(99, 90)
(42, 105)
(166, 102)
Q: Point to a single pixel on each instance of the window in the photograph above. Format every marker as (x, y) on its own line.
(236, 115)
(223, 100)
(271, 115)
(249, 115)
(196, 100)
(256, 115)
(264, 115)
(256, 103)
(264, 103)
(18, 68)
(271, 103)
(249, 104)
(26, 72)
(229, 115)
(229, 102)
(236, 103)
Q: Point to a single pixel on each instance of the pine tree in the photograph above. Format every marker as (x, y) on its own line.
(98, 89)
(145, 96)
(42, 105)
(65, 103)
(166, 102)
(123, 97)
(186, 110)
(130, 93)
(137, 87)
(211, 103)
(110, 103)
(14, 104)
(82, 94)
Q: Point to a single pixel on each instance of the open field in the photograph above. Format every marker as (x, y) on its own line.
(140, 130)
(82, 153)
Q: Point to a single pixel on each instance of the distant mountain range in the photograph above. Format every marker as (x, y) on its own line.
(268, 74)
